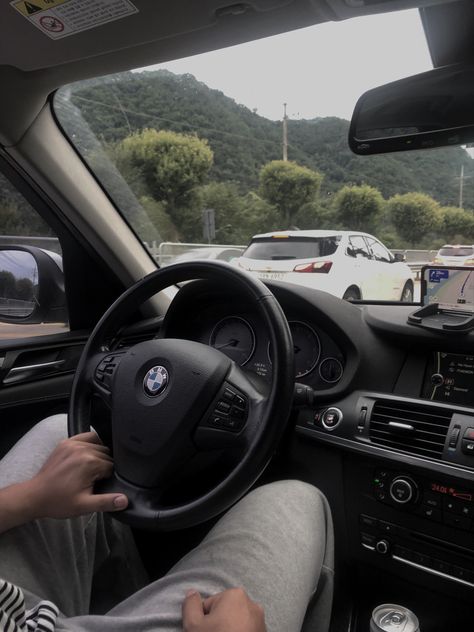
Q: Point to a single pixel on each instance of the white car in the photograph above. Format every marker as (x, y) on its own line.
(349, 264)
(455, 255)
(217, 253)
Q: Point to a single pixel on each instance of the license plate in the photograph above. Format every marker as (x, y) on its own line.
(272, 276)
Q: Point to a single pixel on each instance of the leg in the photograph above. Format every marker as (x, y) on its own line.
(56, 559)
(276, 543)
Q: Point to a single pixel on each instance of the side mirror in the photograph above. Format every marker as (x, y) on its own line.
(399, 256)
(31, 286)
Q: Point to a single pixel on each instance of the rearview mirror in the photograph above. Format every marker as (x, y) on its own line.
(433, 109)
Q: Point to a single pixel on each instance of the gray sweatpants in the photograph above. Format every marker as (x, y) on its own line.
(277, 543)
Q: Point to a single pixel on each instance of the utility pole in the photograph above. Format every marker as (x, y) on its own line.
(285, 134)
(461, 179)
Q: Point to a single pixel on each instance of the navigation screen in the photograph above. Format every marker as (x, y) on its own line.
(450, 378)
(451, 288)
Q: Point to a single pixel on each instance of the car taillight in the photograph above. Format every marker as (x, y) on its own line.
(317, 266)
(437, 260)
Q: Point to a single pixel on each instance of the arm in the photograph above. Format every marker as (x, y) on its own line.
(64, 486)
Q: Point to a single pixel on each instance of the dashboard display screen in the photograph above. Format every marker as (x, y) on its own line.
(452, 289)
(450, 378)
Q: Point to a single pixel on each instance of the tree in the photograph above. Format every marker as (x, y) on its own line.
(414, 215)
(237, 217)
(358, 207)
(171, 166)
(289, 187)
(457, 224)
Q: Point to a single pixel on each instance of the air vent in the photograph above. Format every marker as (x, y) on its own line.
(412, 428)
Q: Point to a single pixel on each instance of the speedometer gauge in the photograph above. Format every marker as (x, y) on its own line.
(306, 346)
(235, 338)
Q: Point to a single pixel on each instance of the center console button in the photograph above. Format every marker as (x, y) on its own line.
(432, 500)
(456, 521)
(331, 418)
(382, 547)
(387, 527)
(402, 490)
(367, 522)
(430, 512)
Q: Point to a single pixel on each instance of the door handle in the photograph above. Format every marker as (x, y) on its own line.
(37, 368)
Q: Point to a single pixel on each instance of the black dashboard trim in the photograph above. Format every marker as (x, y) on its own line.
(379, 453)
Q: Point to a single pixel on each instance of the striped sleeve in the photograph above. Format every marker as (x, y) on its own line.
(14, 617)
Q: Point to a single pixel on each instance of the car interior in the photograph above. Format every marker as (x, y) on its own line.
(363, 412)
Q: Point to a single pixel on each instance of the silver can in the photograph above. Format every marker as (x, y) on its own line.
(390, 617)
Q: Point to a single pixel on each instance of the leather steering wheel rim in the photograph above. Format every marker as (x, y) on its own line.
(144, 510)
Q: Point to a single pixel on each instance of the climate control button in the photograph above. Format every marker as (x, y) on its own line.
(402, 490)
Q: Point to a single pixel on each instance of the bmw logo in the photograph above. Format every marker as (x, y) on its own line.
(156, 380)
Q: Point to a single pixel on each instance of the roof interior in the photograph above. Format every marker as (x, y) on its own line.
(158, 33)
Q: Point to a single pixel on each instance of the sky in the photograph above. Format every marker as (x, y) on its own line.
(317, 71)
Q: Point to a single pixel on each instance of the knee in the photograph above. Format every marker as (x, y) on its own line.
(50, 431)
(298, 503)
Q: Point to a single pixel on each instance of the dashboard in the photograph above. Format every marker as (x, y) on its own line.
(234, 328)
(389, 436)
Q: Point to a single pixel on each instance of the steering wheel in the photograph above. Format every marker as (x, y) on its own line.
(171, 400)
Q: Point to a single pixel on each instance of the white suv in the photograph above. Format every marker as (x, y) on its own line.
(348, 264)
(457, 255)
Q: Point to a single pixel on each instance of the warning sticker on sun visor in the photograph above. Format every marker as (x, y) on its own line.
(61, 18)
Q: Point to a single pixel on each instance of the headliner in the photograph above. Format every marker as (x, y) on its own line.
(32, 65)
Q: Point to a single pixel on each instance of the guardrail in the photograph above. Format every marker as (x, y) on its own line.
(416, 259)
(167, 250)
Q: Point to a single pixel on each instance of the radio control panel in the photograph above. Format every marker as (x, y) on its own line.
(432, 500)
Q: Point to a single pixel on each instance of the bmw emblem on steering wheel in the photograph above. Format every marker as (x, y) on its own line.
(156, 380)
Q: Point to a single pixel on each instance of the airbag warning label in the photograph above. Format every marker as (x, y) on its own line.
(61, 18)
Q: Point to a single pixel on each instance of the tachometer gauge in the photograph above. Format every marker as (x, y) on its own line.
(235, 338)
(306, 346)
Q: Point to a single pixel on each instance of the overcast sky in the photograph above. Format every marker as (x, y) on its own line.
(318, 71)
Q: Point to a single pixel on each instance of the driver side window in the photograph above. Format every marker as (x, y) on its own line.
(379, 252)
(32, 301)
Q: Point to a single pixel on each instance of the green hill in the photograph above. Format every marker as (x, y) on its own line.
(242, 141)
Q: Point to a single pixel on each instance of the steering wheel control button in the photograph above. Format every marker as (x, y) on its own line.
(106, 369)
(228, 395)
(155, 381)
(230, 410)
(223, 407)
(402, 490)
(331, 418)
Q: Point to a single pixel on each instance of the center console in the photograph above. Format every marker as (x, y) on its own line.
(411, 523)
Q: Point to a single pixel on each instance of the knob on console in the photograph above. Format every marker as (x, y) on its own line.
(403, 490)
(382, 547)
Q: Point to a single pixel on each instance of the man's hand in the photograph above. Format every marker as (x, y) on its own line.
(64, 487)
(228, 611)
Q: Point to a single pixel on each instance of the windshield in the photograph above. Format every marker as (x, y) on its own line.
(206, 153)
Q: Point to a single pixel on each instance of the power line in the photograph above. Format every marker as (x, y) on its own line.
(122, 110)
